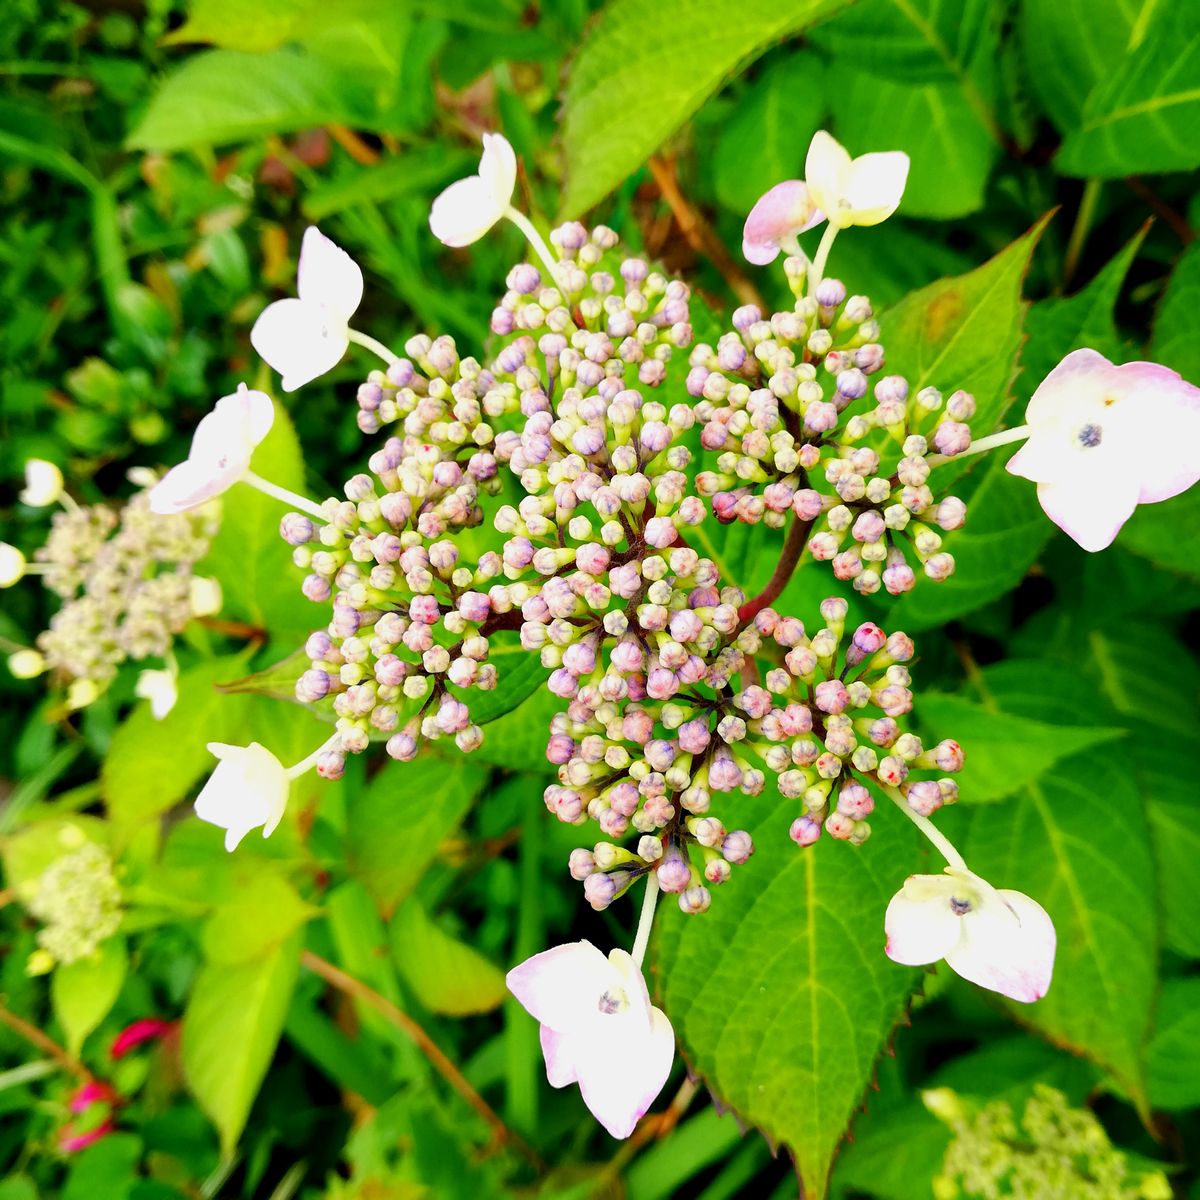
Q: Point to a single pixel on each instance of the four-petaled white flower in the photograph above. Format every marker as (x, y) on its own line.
(249, 788)
(598, 1029)
(43, 483)
(1104, 439)
(305, 337)
(999, 939)
(220, 455)
(159, 687)
(779, 215)
(467, 209)
(853, 191)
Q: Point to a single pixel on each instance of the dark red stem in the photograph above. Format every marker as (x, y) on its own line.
(793, 547)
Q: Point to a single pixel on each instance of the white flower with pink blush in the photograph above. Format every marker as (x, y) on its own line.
(599, 1029)
(467, 209)
(1000, 939)
(222, 446)
(780, 214)
(305, 337)
(1104, 439)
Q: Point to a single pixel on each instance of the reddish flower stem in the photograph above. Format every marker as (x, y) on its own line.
(789, 557)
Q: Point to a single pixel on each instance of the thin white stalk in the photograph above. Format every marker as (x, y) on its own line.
(535, 239)
(36, 568)
(817, 273)
(376, 347)
(306, 764)
(286, 495)
(1003, 438)
(646, 920)
(68, 502)
(944, 846)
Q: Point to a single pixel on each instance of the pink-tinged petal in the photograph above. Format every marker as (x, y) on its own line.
(328, 276)
(619, 1080)
(189, 485)
(1082, 376)
(301, 341)
(1008, 946)
(465, 211)
(498, 167)
(1090, 515)
(784, 210)
(560, 1063)
(874, 187)
(921, 926)
(632, 980)
(1166, 410)
(561, 987)
(234, 428)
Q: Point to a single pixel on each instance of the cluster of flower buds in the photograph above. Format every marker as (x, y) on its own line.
(127, 584)
(78, 901)
(786, 404)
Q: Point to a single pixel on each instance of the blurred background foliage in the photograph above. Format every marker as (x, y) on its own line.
(158, 164)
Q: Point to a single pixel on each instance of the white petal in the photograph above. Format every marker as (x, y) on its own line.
(300, 340)
(498, 168)
(465, 211)
(874, 186)
(632, 980)
(204, 596)
(249, 788)
(43, 483)
(619, 1079)
(12, 565)
(191, 484)
(327, 275)
(160, 689)
(562, 987)
(1081, 378)
(1165, 412)
(557, 1051)
(825, 171)
(920, 924)
(1008, 946)
(1091, 509)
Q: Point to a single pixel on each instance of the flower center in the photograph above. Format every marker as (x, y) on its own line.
(613, 1001)
(1089, 435)
(959, 906)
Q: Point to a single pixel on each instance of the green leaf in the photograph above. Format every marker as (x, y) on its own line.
(265, 910)
(951, 149)
(910, 41)
(520, 674)
(152, 764)
(1069, 46)
(228, 96)
(83, 992)
(258, 581)
(1059, 325)
(965, 332)
(107, 1168)
(1175, 343)
(660, 62)
(415, 172)
(1083, 852)
(762, 142)
(1143, 116)
(229, 23)
(518, 739)
(1173, 1055)
(233, 1021)
(1003, 751)
(446, 975)
(780, 995)
(1002, 538)
(395, 826)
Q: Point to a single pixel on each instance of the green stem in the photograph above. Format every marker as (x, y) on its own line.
(944, 846)
(306, 764)
(645, 921)
(376, 347)
(817, 273)
(535, 239)
(1079, 231)
(285, 494)
(1003, 438)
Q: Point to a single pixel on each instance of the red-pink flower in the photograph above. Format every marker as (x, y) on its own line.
(145, 1030)
(86, 1097)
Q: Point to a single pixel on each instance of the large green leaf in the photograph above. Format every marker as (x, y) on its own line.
(233, 1021)
(447, 975)
(1002, 538)
(965, 332)
(1071, 45)
(1175, 342)
(660, 62)
(1173, 1056)
(951, 149)
(265, 910)
(781, 995)
(1143, 116)
(253, 563)
(84, 991)
(1078, 842)
(762, 141)
(395, 826)
(151, 764)
(228, 96)
(1003, 751)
